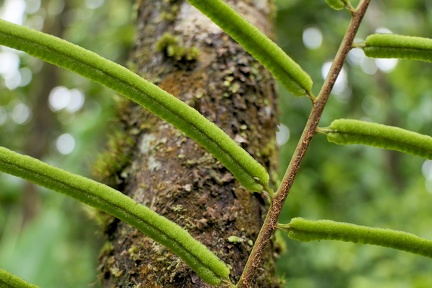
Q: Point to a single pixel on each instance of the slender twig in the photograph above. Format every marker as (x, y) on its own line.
(270, 223)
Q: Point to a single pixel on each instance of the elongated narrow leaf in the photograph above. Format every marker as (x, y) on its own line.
(246, 169)
(207, 265)
(308, 230)
(8, 280)
(398, 46)
(288, 72)
(348, 131)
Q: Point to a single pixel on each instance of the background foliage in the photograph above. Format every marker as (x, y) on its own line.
(55, 245)
(368, 186)
(358, 184)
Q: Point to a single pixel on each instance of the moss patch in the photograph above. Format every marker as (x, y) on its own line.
(170, 45)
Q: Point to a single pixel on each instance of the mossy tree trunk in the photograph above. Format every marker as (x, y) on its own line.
(183, 52)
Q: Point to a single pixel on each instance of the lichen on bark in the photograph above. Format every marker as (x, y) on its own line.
(172, 174)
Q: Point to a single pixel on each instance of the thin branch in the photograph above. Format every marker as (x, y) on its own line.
(270, 223)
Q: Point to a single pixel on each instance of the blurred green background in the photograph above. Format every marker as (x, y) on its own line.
(63, 119)
(52, 241)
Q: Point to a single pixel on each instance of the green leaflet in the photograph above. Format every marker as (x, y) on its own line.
(336, 4)
(207, 265)
(398, 46)
(8, 280)
(347, 131)
(270, 55)
(308, 230)
(244, 167)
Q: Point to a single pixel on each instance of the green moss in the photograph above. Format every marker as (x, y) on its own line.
(107, 249)
(134, 253)
(169, 44)
(269, 149)
(170, 15)
(165, 41)
(235, 239)
(179, 208)
(192, 53)
(114, 159)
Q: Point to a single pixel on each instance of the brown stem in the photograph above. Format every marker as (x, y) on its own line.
(270, 223)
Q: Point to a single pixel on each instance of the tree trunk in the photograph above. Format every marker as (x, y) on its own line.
(183, 52)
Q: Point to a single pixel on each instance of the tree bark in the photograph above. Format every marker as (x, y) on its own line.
(183, 52)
